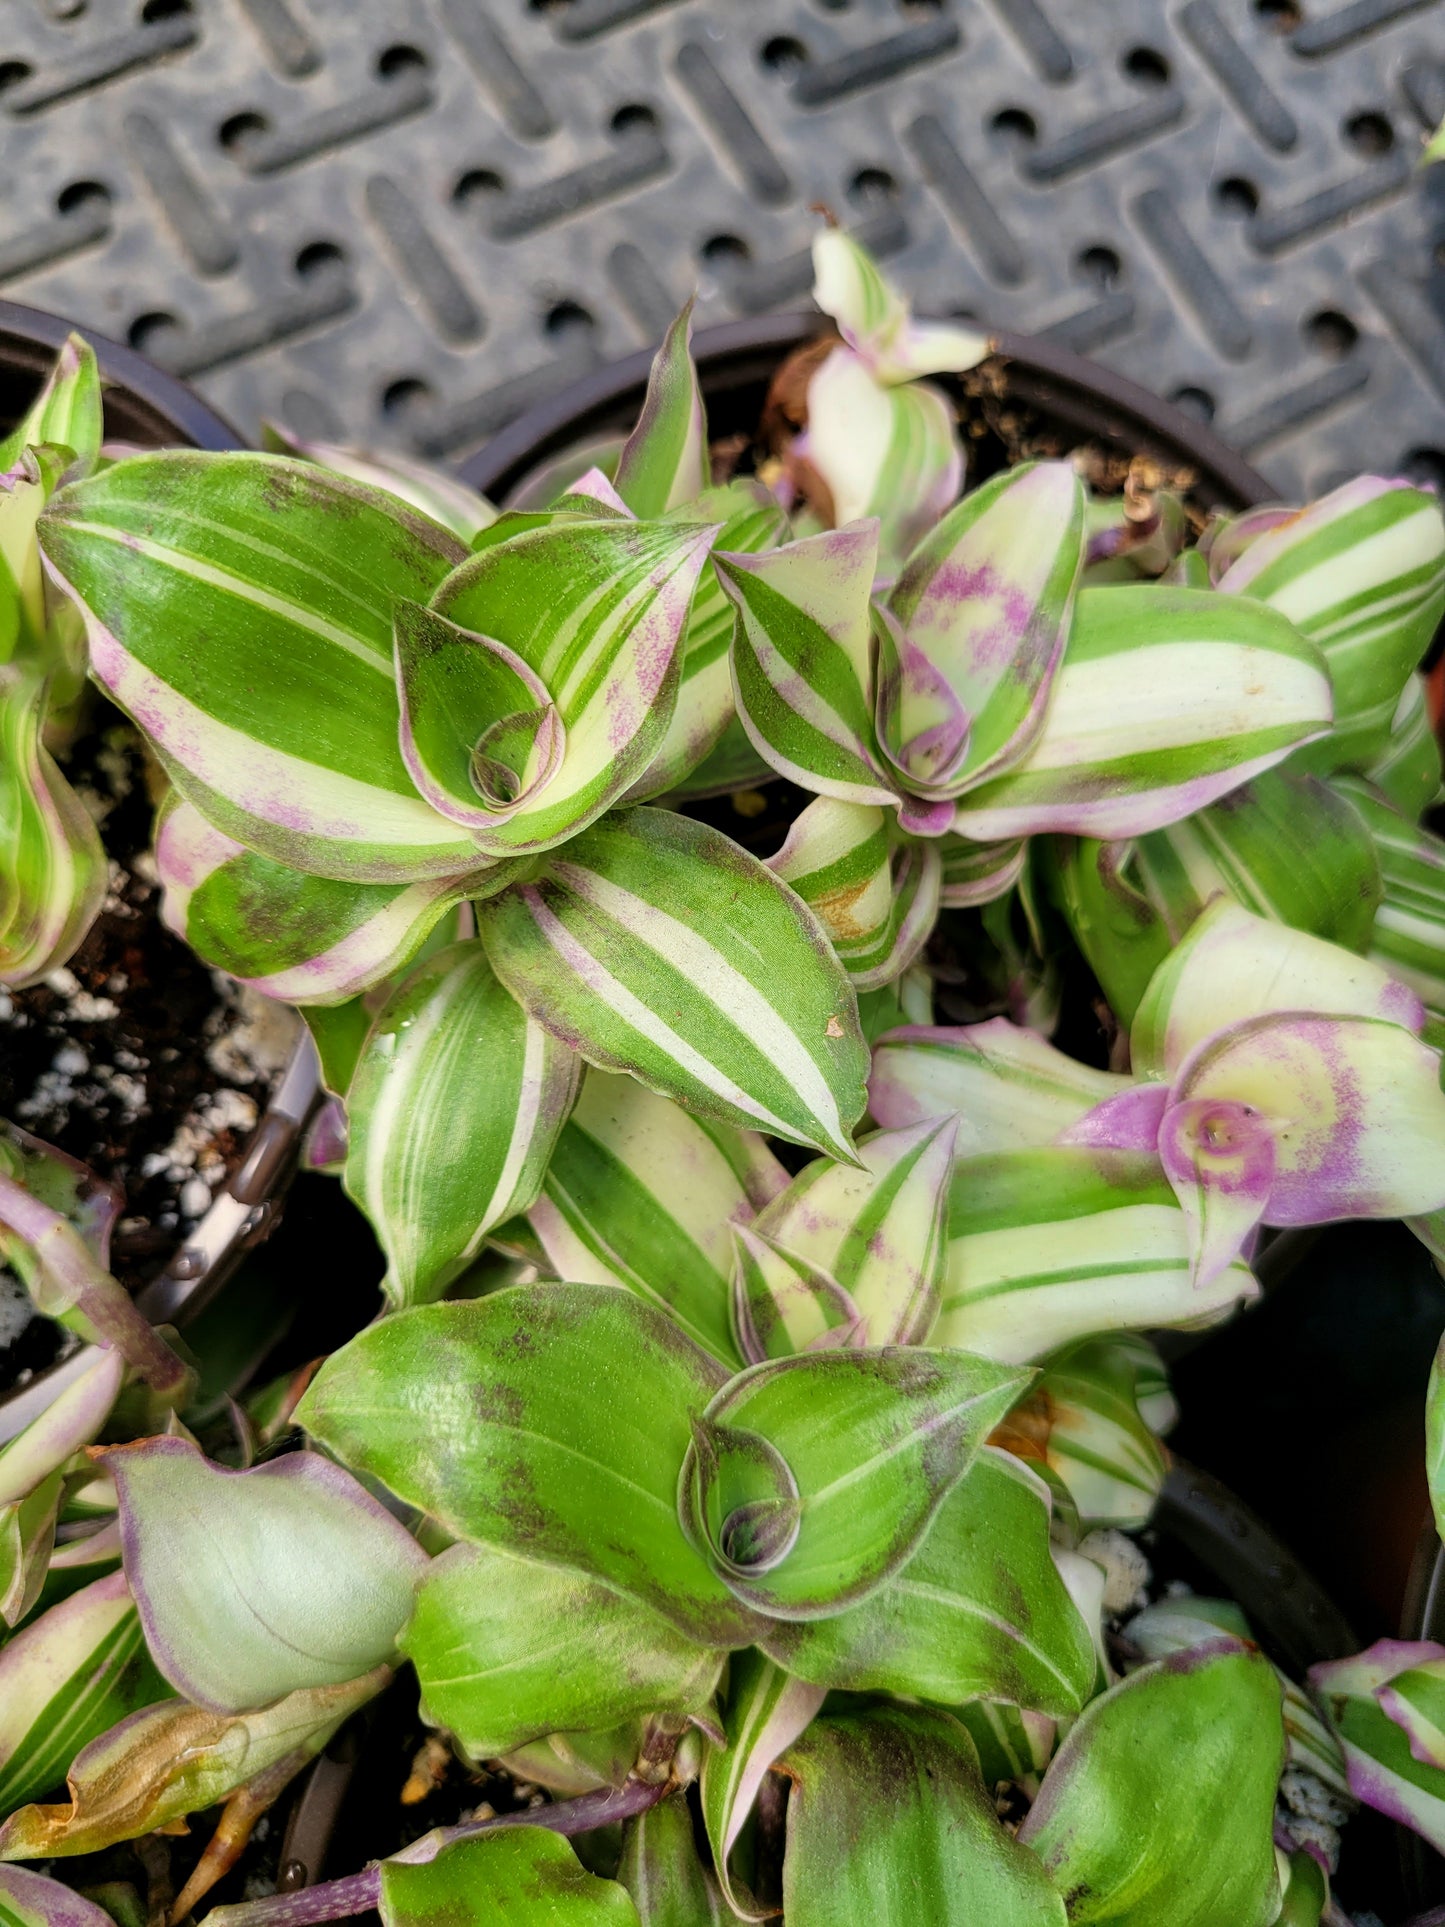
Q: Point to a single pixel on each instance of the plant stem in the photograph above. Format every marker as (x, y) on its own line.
(358, 1893)
(73, 1280)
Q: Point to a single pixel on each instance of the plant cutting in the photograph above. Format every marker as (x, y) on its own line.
(744, 1476)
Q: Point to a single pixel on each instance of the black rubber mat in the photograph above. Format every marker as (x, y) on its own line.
(403, 220)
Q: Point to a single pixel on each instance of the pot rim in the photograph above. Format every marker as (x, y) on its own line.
(246, 1209)
(1082, 392)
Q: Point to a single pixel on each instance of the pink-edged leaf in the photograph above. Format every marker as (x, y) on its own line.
(802, 659)
(664, 461)
(479, 731)
(252, 1585)
(983, 607)
(31, 1900)
(1355, 1107)
(1220, 1157)
(69, 1422)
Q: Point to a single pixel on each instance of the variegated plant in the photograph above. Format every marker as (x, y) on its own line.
(707, 1430)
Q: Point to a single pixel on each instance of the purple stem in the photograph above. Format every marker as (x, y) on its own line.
(61, 1253)
(358, 1893)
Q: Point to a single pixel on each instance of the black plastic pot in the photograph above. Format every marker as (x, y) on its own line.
(152, 409)
(737, 360)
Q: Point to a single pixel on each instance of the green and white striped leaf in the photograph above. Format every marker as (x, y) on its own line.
(25, 488)
(508, 1650)
(1362, 573)
(1052, 1245)
(1407, 770)
(1010, 1088)
(66, 412)
(1374, 1701)
(1085, 1423)
(664, 461)
(875, 1230)
(595, 609)
(656, 946)
(306, 939)
(766, 1711)
(978, 873)
(1013, 1744)
(1232, 966)
(889, 1820)
(979, 1611)
(430, 490)
(880, 450)
(441, 1149)
(173, 1759)
(750, 520)
(1408, 938)
(641, 1194)
(873, 316)
(984, 606)
(1286, 846)
(1166, 699)
(72, 1420)
(52, 865)
(875, 894)
(802, 660)
(27, 1535)
(259, 666)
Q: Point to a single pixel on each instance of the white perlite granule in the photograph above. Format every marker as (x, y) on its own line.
(1126, 1570)
(255, 1046)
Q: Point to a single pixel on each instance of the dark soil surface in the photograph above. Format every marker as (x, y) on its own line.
(135, 1058)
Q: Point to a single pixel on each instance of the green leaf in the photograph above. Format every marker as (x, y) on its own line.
(1067, 1242)
(878, 1230)
(1085, 1420)
(27, 1535)
(766, 1711)
(52, 865)
(1232, 966)
(71, 1420)
(30, 1900)
(430, 490)
(1362, 573)
(1407, 769)
(1375, 1701)
(66, 412)
(664, 461)
(515, 1877)
(979, 1611)
(641, 1194)
(509, 1421)
(174, 1759)
(872, 1443)
(656, 946)
(239, 608)
(1120, 933)
(508, 1650)
(1117, 1822)
(802, 660)
(660, 1868)
(1011, 1088)
(65, 1679)
(302, 938)
(1166, 699)
(889, 1820)
(438, 1155)
(874, 317)
(255, 1584)
(1408, 938)
(594, 610)
(24, 491)
(876, 895)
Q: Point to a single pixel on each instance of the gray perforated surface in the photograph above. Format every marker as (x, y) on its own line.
(404, 220)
